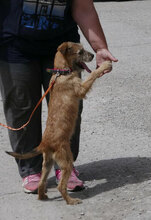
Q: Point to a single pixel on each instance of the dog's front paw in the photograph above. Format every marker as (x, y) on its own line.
(105, 67)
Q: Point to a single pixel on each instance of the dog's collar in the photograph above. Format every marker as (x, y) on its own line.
(64, 71)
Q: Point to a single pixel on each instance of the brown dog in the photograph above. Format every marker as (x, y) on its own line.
(62, 114)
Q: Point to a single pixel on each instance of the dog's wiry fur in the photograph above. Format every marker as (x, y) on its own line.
(62, 114)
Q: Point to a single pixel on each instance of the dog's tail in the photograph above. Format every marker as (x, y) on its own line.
(35, 152)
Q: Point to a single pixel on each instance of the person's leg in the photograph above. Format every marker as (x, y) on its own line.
(20, 86)
(75, 140)
(46, 76)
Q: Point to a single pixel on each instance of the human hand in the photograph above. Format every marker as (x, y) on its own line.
(104, 55)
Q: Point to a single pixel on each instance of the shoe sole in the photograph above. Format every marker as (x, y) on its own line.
(76, 189)
(30, 192)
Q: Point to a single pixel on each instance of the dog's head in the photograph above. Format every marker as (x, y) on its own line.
(75, 55)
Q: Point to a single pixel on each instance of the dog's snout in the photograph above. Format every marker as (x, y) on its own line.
(91, 56)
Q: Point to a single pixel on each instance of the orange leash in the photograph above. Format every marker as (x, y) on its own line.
(23, 126)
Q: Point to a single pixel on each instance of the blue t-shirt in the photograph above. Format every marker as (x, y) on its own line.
(34, 27)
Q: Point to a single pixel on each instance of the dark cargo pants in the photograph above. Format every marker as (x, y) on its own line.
(21, 88)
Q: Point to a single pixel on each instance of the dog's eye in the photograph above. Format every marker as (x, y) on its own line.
(81, 52)
(69, 49)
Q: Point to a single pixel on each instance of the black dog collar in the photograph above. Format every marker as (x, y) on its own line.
(65, 71)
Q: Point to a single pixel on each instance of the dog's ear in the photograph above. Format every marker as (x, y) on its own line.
(63, 48)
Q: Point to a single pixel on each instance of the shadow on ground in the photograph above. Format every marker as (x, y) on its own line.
(111, 174)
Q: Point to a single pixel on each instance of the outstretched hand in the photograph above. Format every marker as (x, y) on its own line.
(104, 55)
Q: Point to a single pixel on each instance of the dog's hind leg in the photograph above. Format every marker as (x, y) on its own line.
(63, 157)
(46, 167)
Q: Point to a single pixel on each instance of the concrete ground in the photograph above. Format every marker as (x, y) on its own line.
(115, 153)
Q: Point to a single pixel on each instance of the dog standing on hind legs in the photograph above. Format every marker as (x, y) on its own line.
(62, 114)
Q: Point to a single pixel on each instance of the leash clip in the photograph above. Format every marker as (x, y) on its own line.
(57, 74)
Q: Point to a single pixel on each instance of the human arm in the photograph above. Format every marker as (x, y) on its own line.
(85, 15)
